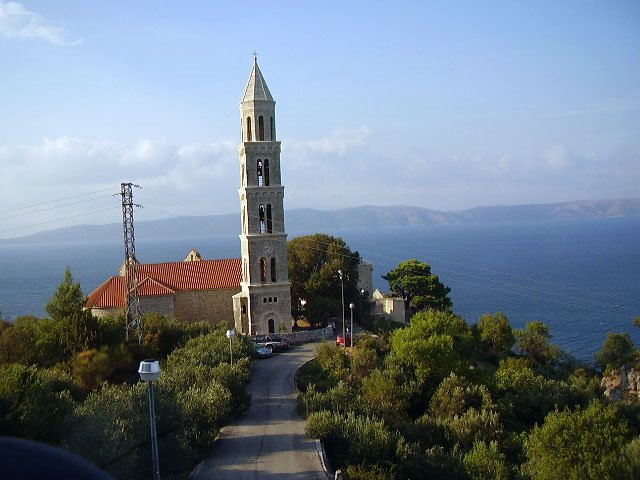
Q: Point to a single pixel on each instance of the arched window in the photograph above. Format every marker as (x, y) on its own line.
(264, 300)
(263, 269)
(266, 173)
(260, 171)
(260, 129)
(272, 326)
(270, 299)
(269, 220)
(271, 128)
(248, 129)
(263, 228)
(274, 275)
(275, 299)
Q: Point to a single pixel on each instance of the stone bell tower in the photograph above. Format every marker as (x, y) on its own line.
(264, 303)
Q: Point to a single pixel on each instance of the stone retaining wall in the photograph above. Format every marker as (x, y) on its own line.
(307, 336)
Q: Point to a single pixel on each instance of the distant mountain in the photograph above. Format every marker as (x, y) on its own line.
(306, 219)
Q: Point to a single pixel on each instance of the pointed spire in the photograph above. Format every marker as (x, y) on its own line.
(256, 86)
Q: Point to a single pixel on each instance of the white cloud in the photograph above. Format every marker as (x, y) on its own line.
(348, 170)
(191, 179)
(18, 22)
(557, 157)
(339, 142)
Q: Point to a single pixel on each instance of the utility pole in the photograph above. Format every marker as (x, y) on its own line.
(132, 298)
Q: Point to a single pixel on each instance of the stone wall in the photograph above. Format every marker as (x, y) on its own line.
(161, 304)
(307, 336)
(107, 312)
(212, 306)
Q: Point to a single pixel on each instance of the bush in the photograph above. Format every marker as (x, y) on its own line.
(486, 462)
(35, 403)
(584, 443)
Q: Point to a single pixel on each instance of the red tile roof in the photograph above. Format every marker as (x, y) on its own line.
(167, 278)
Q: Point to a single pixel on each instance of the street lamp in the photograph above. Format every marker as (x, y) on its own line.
(150, 372)
(351, 307)
(344, 333)
(230, 334)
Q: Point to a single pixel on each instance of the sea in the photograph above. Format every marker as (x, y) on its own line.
(579, 276)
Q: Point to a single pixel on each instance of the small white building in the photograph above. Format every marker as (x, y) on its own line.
(389, 306)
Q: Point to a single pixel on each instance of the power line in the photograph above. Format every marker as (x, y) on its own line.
(54, 201)
(57, 220)
(53, 208)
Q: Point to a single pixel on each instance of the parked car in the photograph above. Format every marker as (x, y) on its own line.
(340, 340)
(271, 342)
(263, 352)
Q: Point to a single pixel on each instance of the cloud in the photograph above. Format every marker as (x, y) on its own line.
(189, 179)
(339, 142)
(344, 169)
(18, 22)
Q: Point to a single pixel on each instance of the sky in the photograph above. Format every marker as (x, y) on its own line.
(437, 104)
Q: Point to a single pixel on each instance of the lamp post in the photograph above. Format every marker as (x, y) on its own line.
(150, 372)
(351, 307)
(230, 334)
(344, 333)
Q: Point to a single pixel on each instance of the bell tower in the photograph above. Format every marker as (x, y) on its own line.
(264, 302)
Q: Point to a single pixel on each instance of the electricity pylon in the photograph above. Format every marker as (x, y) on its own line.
(132, 298)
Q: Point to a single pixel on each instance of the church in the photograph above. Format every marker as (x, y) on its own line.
(252, 291)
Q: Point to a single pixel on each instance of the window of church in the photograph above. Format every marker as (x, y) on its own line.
(275, 299)
(248, 129)
(266, 173)
(271, 128)
(259, 170)
(273, 269)
(263, 227)
(264, 300)
(269, 220)
(270, 299)
(261, 128)
(263, 269)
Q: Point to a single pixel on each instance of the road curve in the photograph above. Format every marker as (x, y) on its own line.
(269, 442)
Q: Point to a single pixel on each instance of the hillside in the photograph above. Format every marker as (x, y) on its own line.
(305, 219)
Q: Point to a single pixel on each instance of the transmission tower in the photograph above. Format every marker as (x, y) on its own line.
(132, 297)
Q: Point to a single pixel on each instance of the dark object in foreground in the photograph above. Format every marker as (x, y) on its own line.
(26, 460)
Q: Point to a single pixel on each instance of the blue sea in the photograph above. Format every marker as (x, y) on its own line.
(580, 276)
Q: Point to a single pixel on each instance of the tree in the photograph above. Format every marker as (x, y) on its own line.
(486, 462)
(496, 334)
(617, 350)
(420, 288)
(67, 300)
(533, 342)
(34, 403)
(585, 443)
(435, 344)
(314, 261)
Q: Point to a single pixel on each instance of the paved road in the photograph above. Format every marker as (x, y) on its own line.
(269, 442)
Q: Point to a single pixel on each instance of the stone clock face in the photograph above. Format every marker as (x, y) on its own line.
(267, 248)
